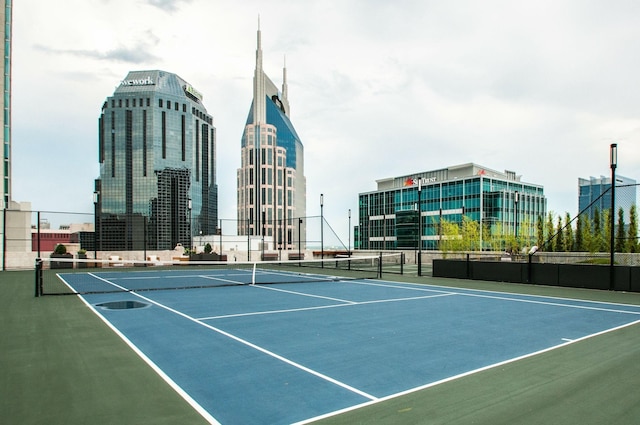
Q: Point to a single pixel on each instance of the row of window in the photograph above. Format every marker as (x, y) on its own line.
(146, 102)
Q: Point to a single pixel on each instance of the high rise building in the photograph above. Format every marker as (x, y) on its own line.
(157, 154)
(5, 16)
(271, 181)
(409, 211)
(595, 194)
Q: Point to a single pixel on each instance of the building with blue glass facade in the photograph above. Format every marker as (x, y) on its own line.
(595, 194)
(157, 154)
(404, 207)
(271, 182)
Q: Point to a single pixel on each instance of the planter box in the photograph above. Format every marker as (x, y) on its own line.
(60, 264)
(207, 257)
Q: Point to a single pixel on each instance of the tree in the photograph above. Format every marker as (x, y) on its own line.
(559, 245)
(632, 236)
(597, 241)
(620, 245)
(607, 218)
(579, 242)
(568, 234)
(451, 239)
(549, 233)
(470, 234)
(539, 231)
(587, 235)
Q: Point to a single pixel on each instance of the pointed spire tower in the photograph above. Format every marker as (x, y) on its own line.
(271, 182)
(285, 87)
(259, 113)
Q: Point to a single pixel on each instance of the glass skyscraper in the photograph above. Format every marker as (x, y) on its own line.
(5, 15)
(157, 154)
(271, 181)
(393, 216)
(595, 194)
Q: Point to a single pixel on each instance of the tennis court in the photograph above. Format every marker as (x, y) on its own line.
(296, 352)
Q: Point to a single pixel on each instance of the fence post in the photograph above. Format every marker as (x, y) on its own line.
(38, 282)
(468, 265)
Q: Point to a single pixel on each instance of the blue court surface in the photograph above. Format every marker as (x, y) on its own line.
(291, 353)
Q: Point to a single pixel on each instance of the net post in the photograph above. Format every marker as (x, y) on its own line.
(38, 280)
(380, 266)
(402, 263)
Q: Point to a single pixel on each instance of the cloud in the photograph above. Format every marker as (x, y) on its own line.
(138, 53)
(167, 5)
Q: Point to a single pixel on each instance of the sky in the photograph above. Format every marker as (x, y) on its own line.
(377, 89)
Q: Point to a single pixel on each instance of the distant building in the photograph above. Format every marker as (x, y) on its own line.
(595, 194)
(5, 117)
(16, 219)
(271, 181)
(392, 216)
(45, 239)
(157, 154)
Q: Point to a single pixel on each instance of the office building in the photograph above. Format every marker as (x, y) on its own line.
(271, 182)
(595, 194)
(5, 15)
(404, 207)
(157, 154)
(16, 227)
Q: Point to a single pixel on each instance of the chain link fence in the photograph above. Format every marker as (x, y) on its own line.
(595, 235)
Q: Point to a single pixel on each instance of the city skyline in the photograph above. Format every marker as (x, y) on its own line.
(382, 91)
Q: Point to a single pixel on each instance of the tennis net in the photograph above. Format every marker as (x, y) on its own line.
(61, 276)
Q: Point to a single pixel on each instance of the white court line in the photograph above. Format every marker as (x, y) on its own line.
(582, 307)
(293, 310)
(515, 294)
(251, 345)
(461, 375)
(304, 294)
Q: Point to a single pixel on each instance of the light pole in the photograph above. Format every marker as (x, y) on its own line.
(419, 227)
(349, 236)
(515, 202)
(96, 220)
(321, 230)
(612, 213)
(189, 206)
(264, 215)
(299, 239)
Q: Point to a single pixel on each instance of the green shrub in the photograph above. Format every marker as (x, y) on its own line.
(207, 248)
(60, 249)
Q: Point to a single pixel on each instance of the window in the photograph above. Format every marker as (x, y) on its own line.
(160, 103)
(168, 104)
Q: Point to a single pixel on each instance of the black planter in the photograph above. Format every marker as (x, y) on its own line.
(60, 264)
(82, 265)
